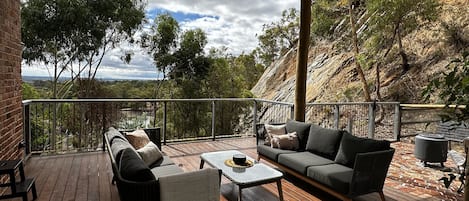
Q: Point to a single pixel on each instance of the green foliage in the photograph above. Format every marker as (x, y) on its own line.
(453, 89)
(323, 18)
(29, 92)
(163, 42)
(391, 20)
(454, 35)
(278, 37)
(66, 32)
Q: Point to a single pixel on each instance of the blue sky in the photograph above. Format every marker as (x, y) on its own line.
(227, 23)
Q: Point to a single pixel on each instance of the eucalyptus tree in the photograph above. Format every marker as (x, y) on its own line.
(278, 37)
(74, 35)
(392, 20)
(178, 54)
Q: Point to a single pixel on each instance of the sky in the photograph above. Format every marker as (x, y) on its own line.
(227, 23)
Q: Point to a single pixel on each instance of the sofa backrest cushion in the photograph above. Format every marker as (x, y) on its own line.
(113, 134)
(133, 168)
(351, 145)
(301, 129)
(117, 146)
(323, 141)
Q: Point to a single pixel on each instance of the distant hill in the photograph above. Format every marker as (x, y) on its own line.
(31, 79)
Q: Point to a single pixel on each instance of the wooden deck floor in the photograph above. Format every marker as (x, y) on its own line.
(88, 176)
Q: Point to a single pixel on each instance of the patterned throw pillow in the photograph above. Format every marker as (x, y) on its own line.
(287, 141)
(273, 130)
(138, 138)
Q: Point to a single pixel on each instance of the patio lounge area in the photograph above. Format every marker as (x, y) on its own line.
(87, 176)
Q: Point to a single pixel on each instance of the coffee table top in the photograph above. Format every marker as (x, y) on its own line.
(242, 176)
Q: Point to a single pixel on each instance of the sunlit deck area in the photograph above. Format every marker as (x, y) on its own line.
(87, 176)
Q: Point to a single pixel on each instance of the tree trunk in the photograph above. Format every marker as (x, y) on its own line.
(405, 61)
(358, 68)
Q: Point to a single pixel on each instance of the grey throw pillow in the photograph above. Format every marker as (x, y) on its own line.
(351, 145)
(150, 153)
(323, 141)
(301, 129)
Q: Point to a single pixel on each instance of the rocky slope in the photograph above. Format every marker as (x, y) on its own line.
(332, 78)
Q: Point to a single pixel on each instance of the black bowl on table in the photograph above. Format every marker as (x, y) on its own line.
(239, 159)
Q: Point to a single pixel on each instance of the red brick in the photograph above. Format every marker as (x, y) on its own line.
(11, 132)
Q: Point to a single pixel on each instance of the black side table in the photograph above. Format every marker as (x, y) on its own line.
(431, 148)
(18, 189)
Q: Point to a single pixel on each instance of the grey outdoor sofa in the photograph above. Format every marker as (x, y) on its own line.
(332, 160)
(162, 180)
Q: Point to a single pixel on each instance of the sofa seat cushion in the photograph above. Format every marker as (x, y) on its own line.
(351, 145)
(300, 161)
(133, 168)
(272, 153)
(301, 129)
(166, 170)
(165, 160)
(323, 141)
(333, 175)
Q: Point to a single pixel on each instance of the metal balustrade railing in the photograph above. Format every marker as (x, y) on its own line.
(77, 125)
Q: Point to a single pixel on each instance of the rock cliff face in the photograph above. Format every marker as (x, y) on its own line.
(332, 77)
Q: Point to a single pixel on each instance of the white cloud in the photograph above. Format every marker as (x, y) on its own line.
(230, 24)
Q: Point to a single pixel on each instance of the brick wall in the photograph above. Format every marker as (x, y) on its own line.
(11, 118)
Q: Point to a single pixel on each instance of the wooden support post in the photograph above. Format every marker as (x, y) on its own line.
(302, 60)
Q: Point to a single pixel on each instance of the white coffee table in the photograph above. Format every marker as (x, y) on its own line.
(256, 175)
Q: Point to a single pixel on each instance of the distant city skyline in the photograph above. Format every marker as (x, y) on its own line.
(230, 24)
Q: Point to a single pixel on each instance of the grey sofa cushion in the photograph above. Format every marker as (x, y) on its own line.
(351, 145)
(201, 185)
(133, 168)
(270, 152)
(166, 170)
(300, 161)
(324, 141)
(166, 160)
(334, 175)
(301, 129)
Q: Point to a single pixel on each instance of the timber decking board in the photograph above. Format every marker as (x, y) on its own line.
(87, 176)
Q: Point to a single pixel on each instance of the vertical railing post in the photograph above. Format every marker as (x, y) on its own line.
(350, 125)
(164, 122)
(104, 126)
(371, 120)
(54, 127)
(213, 120)
(397, 122)
(27, 129)
(254, 117)
(336, 116)
(292, 111)
(154, 114)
